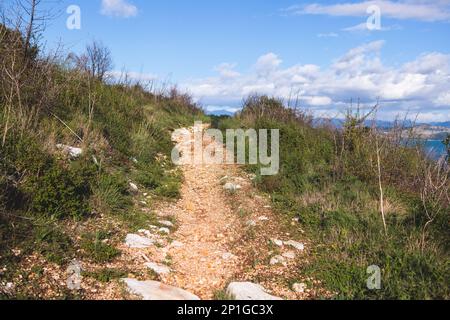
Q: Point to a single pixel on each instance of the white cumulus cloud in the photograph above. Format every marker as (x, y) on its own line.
(408, 9)
(118, 8)
(421, 85)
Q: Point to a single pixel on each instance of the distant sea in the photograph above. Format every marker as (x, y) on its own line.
(436, 148)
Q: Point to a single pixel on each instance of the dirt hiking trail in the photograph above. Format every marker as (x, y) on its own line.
(224, 232)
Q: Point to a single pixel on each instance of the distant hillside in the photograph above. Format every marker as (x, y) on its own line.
(220, 113)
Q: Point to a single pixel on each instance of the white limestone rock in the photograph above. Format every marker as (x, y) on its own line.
(277, 242)
(164, 230)
(158, 268)
(289, 255)
(137, 241)
(71, 151)
(249, 291)
(133, 187)
(297, 245)
(166, 223)
(231, 187)
(157, 291)
(299, 287)
(278, 260)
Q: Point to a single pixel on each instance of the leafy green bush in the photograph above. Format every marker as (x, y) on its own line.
(111, 193)
(171, 189)
(61, 192)
(53, 244)
(96, 250)
(328, 179)
(106, 275)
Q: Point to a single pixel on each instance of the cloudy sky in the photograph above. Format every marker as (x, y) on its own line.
(325, 52)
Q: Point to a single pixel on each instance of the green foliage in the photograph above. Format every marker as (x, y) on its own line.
(111, 193)
(149, 176)
(328, 179)
(124, 132)
(96, 249)
(53, 244)
(105, 275)
(169, 190)
(61, 192)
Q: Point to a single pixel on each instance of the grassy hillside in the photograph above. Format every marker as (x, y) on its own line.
(329, 181)
(55, 207)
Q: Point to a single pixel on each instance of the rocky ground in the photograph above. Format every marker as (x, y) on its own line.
(220, 240)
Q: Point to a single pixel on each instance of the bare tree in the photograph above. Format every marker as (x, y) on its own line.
(31, 19)
(97, 60)
(434, 192)
(31, 10)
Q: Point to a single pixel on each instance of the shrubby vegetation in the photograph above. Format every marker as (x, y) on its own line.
(123, 129)
(330, 180)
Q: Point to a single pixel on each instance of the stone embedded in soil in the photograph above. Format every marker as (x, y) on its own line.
(145, 232)
(176, 244)
(164, 230)
(249, 291)
(278, 260)
(299, 287)
(228, 256)
(71, 151)
(263, 218)
(251, 223)
(7, 288)
(134, 187)
(158, 268)
(166, 223)
(232, 187)
(153, 290)
(297, 245)
(289, 255)
(138, 242)
(277, 242)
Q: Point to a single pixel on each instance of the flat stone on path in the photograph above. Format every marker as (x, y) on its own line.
(297, 245)
(299, 287)
(228, 256)
(153, 290)
(176, 244)
(277, 242)
(249, 291)
(278, 260)
(166, 223)
(138, 242)
(231, 187)
(158, 268)
(251, 223)
(164, 230)
(289, 255)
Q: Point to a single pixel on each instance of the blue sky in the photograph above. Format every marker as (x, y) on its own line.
(222, 50)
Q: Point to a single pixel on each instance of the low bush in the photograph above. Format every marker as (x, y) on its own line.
(96, 249)
(329, 180)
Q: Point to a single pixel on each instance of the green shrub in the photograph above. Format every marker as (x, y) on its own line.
(61, 192)
(96, 250)
(328, 179)
(53, 244)
(150, 176)
(111, 193)
(171, 189)
(105, 275)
